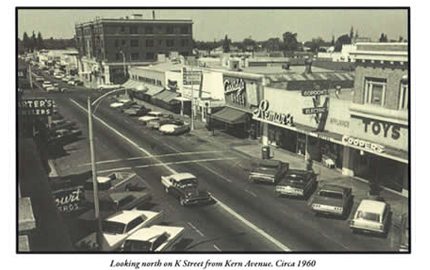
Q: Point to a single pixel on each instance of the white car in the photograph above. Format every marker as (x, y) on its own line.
(119, 226)
(71, 82)
(116, 104)
(371, 216)
(173, 129)
(46, 84)
(150, 116)
(58, 76)
(153, 239)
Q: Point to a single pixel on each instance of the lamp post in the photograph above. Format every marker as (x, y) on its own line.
(123, 62)
(93, 162)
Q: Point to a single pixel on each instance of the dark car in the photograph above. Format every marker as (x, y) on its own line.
(62, 124)
(299, 183)
(404, 233)
(333, 200)
(269, 171)
(136, 110)
(127, 105)
(184, 187)
(64, 136)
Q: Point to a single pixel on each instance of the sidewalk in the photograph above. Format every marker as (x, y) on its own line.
(398, 203)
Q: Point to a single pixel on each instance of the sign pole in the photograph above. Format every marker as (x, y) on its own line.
(94, 172)
(192, 102)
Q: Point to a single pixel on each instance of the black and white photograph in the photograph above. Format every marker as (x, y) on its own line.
(213, 130)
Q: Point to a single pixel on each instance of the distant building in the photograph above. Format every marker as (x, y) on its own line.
(108, 46)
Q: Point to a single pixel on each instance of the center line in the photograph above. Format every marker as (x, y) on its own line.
(252, 193)
(195, 228)
(217, 248)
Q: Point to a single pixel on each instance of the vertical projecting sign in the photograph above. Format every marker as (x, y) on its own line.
(320, 112)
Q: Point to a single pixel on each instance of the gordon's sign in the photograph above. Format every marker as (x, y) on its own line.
(311, 93)
(263, 113)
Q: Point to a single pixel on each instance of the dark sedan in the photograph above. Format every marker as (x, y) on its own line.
(333, 200)
(298, 183)
(136, 110)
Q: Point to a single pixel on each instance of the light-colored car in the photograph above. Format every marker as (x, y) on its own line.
(371, 216)
(66, 79)
(183, 186)
(51, 88)
(119, 226)
(116, 104)
(172, 129)
(71, 82)
(58, 76)
(153, 239)
(149, 117)
(46, 84)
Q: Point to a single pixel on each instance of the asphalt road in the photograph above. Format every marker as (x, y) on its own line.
(246, 217)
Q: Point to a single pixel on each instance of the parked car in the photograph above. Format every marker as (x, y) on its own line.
(332, 200)
(404, 233)
(153, 239)
(173, 129)
(46, 84)
(298, 183)
(38, 79)
(62, 124)
(64, 136)
(113, 183)
(119, 226)
(71, 82)
(150, 116)
(127, 105)
(163, 119)
(78, 83)
(136, 110)
(371, 216)
(58, 76)
(116, 104)
(51, 88)
(66, 79)
(184, 187)
(268, 171)
(118, 201)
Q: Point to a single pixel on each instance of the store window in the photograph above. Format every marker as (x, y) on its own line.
(375, 91)
(404, 98)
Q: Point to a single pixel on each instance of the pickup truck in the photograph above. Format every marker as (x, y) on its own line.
(268, 171)
(184, 187)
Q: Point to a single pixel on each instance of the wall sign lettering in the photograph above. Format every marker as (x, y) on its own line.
(235, 90)
(378, 127)
(374, 147)
(263, 113)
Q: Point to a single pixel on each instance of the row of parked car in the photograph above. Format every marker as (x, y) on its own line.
(166, 123)
(331, 200)
(60, 130)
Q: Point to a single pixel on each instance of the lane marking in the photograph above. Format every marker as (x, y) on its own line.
(195, 228)
(217, 248)
(168, 163)
(148, 157)
(226, 208)
(252, 193)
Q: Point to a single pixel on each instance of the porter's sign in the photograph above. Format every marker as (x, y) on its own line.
(263, 113)
(36, 106)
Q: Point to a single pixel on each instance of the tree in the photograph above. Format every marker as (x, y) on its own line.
(332, 41)
(400, 39)
(249, 42)
(273, 44)
(351, 33)
(26, 41)
(226, 44)
(383, 38)
(344, 39)
(290, 42)
(39, 42)
(316, 43)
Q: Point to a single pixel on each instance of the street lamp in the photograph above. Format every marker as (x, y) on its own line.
(93, 162)
(123, 62)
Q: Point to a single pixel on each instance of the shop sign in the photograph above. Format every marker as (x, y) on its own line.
(339, 122)
(379, 127)
(191, 77)
(35, 106)
(374, 147)
(315, 110)
(312, 93)
(235, 90)
(69, 200)
(263, 113)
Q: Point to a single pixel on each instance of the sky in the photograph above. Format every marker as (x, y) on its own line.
(210, 24)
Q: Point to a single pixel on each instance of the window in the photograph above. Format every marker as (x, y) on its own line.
(160, 240)
(149, 43)
(160, 42)
(123, 42)
(149, 30)
(134, 56)
(122, 28)
(184, 30)
(170, 43)
(169, 30)
(134, 43)
(404, 98)
(133, 30)
(184, 43)
(134, 223)
(150, 56)
(375, 91)
(117, 56)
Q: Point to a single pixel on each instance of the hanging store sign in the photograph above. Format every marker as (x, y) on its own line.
(373, 147)
(312, 93)
(263, 113)
(315, 110)
(191, 77)
(235, 91)
(36, 107)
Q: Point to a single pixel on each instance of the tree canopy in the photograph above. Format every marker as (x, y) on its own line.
(290, 42)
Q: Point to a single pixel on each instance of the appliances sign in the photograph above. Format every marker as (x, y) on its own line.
(263, 113)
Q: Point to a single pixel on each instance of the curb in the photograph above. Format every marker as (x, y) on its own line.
(53, 173)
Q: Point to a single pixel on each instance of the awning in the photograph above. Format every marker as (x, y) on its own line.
(153, 90)
(135, 85)
(182, 99)
(166, 96)
(230, 116)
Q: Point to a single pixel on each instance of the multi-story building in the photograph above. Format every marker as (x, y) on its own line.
(378, 139)
(107, 47)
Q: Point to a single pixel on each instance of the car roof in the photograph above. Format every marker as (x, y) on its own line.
(298, 172)
(374, 206)
(125, 216)
(267, 162)
(103, 179)
(150, 234)
(182, 176)
(333, 188)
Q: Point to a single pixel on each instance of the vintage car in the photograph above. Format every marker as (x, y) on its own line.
(174, 129)
(116, 228)
(332, 200)
(150, 116)
(184, 187)
(298, 183)
(63, 136)
(118, 201)
(153, 239)
(371, 216)
(116, 104)
(404, 233)
(163, 119)
(113, 183)
(46, 84)
(127, 105)
(136, 110)
(62, 124)
(267, 171)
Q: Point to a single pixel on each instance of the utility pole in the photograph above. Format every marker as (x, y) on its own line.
(94, 172)
(192, 101)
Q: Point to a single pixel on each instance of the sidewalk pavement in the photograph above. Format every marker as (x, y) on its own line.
(398, 203)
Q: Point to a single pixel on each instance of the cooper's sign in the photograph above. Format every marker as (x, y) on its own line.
(374, 147)
(263, 113)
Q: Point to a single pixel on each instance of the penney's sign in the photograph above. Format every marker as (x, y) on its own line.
(263, 113)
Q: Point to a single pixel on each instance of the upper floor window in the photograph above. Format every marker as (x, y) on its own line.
(375, 91)
(133, 30)
(170, 43)
(134, 56)
(184, 29)
(116, 43)
(122, 28)
(149, 43)
(169, 30)
(404, 96)
(134, 43)
(149, 30)
(150, 56)
(184, 43)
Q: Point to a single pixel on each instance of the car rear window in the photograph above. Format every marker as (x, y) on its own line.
(369, 216)
(134, 245)
(112, 227)
(330, 194)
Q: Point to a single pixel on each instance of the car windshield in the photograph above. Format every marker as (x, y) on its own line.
(135, 245)
(187, 182)
(112, 227)
(330, 194)
(368, 216)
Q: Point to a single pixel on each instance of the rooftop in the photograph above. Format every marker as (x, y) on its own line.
(374, 206)
(125, 216)
(182, 176)
(149, 234)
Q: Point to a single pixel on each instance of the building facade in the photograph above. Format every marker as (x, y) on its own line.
(107, 47)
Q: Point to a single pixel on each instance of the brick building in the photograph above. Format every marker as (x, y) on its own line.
(107, 47)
